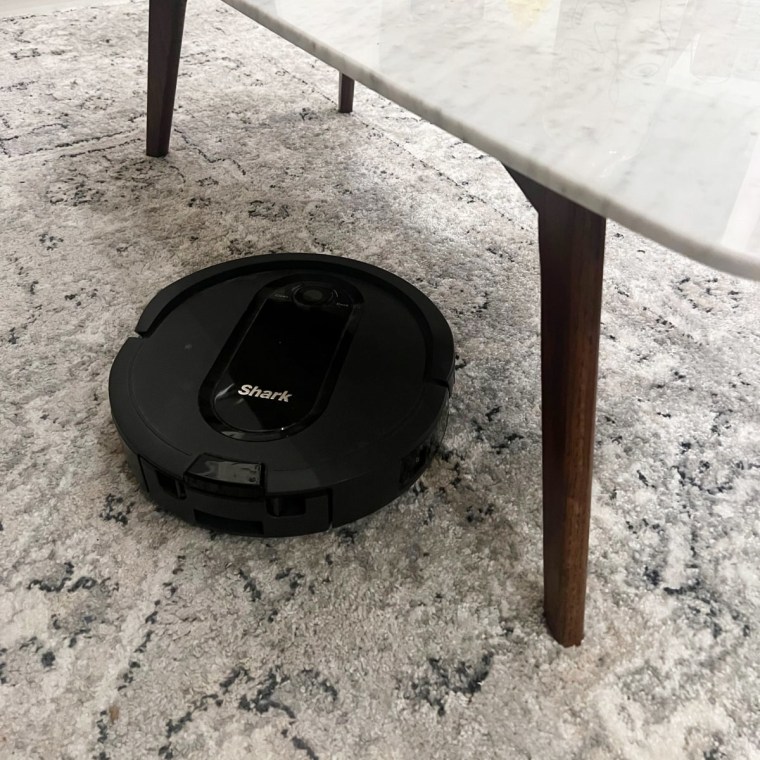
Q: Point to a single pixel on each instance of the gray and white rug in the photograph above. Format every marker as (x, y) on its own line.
(417, 632)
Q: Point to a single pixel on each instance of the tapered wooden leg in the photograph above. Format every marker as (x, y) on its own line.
(345, 94)
(166, 21)
(571, 245)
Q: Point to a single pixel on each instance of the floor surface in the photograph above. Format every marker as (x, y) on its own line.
(20, 7)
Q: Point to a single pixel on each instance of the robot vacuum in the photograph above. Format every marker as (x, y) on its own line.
(283, 394)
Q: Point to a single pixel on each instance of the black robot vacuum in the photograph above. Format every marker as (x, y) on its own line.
(283, 394)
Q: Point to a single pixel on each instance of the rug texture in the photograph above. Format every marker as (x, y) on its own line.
(417, 632)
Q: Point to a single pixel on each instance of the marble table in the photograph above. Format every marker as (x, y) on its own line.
(647, 113)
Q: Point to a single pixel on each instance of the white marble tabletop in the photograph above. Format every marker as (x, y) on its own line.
(645, 111)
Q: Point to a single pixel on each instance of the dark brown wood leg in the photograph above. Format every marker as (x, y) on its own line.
(345, 94)
(166, 21)
(571, 245)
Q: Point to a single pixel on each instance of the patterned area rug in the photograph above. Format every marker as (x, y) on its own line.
(416, 632)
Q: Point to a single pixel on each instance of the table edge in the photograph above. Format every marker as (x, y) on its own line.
(730, 261)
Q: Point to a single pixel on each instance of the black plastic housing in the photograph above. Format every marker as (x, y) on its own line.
(283, 394)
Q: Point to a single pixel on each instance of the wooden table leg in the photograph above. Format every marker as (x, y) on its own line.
(571, 246)
(345, 94)
(166, 22)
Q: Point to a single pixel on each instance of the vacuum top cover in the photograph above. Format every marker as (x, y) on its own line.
(263, 385)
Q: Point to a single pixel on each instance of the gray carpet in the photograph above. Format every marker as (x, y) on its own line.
(417, 632)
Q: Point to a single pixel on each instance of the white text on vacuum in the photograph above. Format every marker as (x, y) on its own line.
(254, 390)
